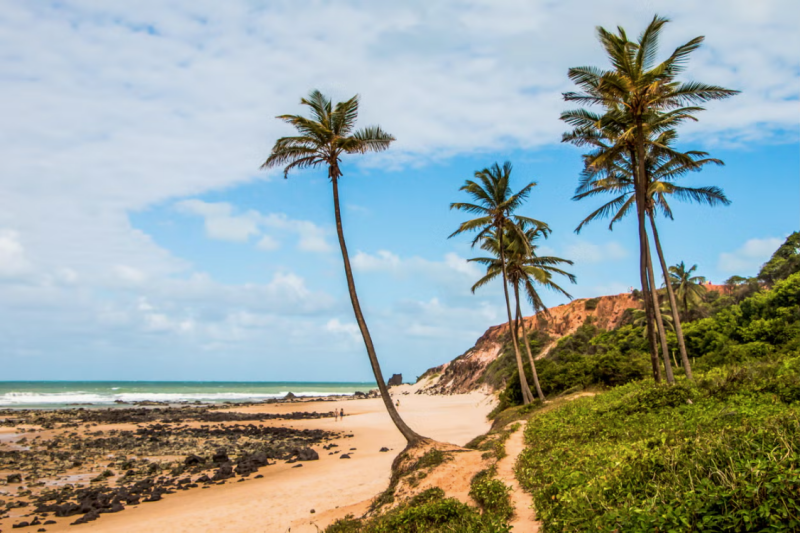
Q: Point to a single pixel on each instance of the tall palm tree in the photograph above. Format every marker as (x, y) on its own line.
(688, 289)
(495, 204)
(635, 91)
(664, 165)
(527, 269)
(322, 140)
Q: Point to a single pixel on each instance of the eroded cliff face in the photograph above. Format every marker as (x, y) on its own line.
(465, 373)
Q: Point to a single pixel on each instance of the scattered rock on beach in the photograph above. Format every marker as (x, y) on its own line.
(344, 456)
(384, 449)
(306, 454)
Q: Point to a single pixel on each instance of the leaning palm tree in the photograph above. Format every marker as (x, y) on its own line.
(322, 140)
(664, 166)
(637, 91)
(495, 204)
(688, 289)
(527, 269)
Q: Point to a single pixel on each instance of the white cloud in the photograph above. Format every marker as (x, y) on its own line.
(383, 260)
(223, 223)
(129, 274)
(587, 252)
(13, 262)
(750, 256)
(347, 329)
(268, 244)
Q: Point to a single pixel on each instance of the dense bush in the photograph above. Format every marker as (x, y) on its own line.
(721, 456)
(765, 324)
(430, 511)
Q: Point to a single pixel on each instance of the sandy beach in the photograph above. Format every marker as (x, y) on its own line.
(286, 494)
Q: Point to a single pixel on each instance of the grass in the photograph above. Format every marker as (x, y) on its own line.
(721, 455)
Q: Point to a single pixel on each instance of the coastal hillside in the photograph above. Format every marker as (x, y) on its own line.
(466, 372)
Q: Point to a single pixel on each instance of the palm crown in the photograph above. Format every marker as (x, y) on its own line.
(325, 137)
(663, 166)
(689, 289)
(523, 269)
(495, 203)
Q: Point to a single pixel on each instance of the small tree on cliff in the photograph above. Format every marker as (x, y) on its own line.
(321, 141)
(495, 203)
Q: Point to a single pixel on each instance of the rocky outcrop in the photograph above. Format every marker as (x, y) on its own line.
(465, 373)
(396, 379)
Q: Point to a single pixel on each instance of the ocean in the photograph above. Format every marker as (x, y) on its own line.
(60, 394)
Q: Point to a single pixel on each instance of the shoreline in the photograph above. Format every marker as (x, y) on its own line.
(287, 492)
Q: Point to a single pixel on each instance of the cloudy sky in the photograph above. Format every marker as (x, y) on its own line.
(139, 240)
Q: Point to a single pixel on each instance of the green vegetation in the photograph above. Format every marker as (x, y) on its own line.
(591, 304)
(430, 511)
(723, 455)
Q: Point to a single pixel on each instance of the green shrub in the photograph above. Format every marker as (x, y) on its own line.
(641, 458)
(591, 304)
(491, 494)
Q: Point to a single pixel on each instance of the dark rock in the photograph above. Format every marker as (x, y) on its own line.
(344, 456)
(220, 457)
(359, 395)
(396, 379)
(48, 522)
(194, 460)
(223, 472)
(14, 478)
(384, 449)
(290, 397)
(305, 454)
(21, 524)
(298, 466)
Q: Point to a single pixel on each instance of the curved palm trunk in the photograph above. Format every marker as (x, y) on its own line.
(662, 332)
(672, 302)
(527, 396)
(410, 435)
(646, 294)
(539, 392)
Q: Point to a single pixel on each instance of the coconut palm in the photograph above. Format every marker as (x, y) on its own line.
(322, 140)
(527, 269)
(664, 165)
(637, 93)
(688, 289)
(495, 204)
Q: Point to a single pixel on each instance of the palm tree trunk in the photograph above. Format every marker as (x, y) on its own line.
(659, 321)
(646, 294)
(641, 186)
(410, 435)
(527, 396)
(539, 392)
(672, 302)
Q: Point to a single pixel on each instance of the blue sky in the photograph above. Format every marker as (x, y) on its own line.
(139, 240)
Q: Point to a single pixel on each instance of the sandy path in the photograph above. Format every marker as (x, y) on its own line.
(524, 520)
(286, 495)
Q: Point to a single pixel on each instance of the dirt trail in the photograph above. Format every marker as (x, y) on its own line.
(524, 520)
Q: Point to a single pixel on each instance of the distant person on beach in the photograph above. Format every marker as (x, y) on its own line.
(336, 414)
(341, 413)
(398, 403)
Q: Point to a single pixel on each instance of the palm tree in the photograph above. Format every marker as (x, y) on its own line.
(636, 92)
(664, 165)
(688, 289)
(322, 140)
(526, 269)
(495, 204)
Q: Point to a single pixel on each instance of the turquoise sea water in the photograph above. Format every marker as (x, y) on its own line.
(56, 394)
